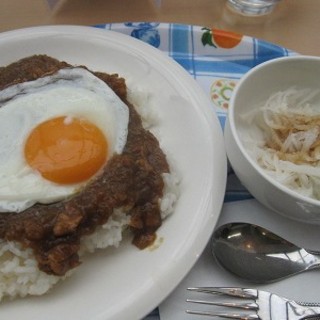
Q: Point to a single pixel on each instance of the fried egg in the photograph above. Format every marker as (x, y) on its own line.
(56, 134)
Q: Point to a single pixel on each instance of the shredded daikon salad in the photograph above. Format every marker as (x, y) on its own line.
(286, 139)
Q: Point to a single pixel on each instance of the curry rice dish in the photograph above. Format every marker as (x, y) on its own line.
(133, 191)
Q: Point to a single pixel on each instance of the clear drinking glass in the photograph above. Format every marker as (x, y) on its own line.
(252, 7)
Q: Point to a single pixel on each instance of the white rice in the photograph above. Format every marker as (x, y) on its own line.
(19, 274)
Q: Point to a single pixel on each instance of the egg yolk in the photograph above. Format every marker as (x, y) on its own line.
(66, 150)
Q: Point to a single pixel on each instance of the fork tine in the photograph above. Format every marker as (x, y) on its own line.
(230, 291)
(243, 316)
(247, 306)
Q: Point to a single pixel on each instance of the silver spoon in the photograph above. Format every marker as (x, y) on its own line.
(256, 254)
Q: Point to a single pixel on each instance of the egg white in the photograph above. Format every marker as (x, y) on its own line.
(71, 92)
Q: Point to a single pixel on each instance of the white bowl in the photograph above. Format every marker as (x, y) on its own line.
(255, 87)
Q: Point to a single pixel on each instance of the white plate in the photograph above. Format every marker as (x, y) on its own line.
(126, 283)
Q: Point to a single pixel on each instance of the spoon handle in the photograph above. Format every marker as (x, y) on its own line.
(314, 252)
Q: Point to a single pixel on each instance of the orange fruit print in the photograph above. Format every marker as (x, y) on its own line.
(220, 38)
(225, 39)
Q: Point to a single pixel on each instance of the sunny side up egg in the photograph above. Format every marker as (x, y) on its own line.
(56, 133)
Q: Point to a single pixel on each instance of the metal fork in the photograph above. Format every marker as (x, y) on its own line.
(265, 305)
